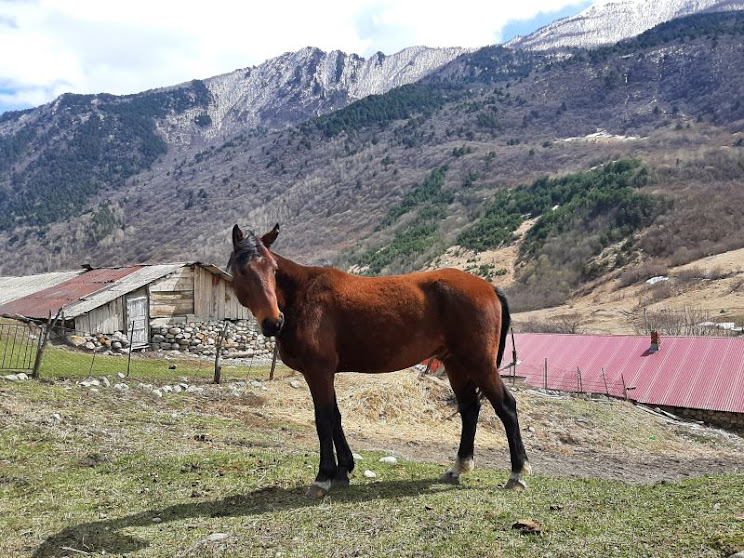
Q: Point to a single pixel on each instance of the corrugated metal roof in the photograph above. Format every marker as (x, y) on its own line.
(12, 288)
(94, 288)
(50, 300)
(693, 372)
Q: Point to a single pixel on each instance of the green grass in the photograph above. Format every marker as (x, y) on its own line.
(203, 464)
(63, 363)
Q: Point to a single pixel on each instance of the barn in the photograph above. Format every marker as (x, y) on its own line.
(134, 299)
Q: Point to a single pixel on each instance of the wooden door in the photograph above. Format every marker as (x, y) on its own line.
(137, 315)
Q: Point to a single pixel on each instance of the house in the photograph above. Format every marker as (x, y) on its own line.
(134, 299)
(697, 377)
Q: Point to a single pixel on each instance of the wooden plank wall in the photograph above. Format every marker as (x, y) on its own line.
(172, 296)
(214, 298)
(104, 319)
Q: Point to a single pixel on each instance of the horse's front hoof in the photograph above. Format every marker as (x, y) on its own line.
(317, 491)
(517, 485)
(450, 478)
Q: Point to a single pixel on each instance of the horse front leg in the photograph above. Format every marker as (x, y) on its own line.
(324, 401)
(343, 452)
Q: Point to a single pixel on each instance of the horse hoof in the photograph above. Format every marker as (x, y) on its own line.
(450, 478)
(340, 483)
(517, 485)
(316, 492)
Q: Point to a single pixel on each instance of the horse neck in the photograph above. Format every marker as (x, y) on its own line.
(290, 280)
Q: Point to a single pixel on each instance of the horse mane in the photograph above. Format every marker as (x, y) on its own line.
(244, 251)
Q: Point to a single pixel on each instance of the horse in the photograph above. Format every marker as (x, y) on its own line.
(327, 321)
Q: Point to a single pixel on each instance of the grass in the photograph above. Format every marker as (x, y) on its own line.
(131, 474)
(63, 363)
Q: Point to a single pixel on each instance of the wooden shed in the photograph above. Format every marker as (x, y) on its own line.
(139, 297)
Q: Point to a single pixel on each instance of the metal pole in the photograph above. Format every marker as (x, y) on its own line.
(129, 355)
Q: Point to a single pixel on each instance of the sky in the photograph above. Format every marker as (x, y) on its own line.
(50, 47)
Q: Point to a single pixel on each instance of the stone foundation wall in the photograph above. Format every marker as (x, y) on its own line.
(723, 419)
(241, 339)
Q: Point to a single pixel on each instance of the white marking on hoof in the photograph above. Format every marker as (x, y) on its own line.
(450, 477)
(461, 466)
(318, 490)
(517, 485)
(464, 465)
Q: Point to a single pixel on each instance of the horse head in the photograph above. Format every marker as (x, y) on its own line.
(254, 277)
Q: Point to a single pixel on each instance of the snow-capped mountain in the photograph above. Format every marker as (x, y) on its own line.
(614, 21)
(300, 85)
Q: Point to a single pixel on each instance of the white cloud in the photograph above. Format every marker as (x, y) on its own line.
(87, 46)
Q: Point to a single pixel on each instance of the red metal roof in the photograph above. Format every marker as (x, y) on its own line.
(48, 301)
(693, 372)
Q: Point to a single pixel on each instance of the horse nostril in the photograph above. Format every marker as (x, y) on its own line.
(270, 327)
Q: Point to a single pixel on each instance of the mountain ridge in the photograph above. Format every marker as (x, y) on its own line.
(615, 21)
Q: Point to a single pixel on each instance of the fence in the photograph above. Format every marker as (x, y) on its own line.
(573, 381)
(19, 345)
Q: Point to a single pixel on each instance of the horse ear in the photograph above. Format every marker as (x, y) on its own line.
(269, 238)
(237, 235)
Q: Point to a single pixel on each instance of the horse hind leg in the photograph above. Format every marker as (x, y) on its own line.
(468, 404)
(505, 405)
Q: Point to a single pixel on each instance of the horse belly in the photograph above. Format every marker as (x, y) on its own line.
(386, 348)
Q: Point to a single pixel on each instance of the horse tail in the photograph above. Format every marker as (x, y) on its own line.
(505, 323)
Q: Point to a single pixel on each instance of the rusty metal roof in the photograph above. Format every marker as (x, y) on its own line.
(92, 289)
(12, 288)
(692, 372)
(49, 301)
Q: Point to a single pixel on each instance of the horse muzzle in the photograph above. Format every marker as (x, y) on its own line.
(271, 328)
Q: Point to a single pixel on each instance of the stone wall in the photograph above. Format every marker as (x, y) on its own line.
(242, 340)
(201, 338)
(723, 419)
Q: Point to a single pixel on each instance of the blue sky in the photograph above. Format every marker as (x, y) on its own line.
(50, 47)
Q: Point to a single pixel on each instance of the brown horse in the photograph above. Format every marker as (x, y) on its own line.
(328, 321)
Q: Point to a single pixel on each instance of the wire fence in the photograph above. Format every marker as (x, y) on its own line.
(19, 345)
(596, 382)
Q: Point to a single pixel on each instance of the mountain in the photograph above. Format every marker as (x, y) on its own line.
(299, 85)
(55, 158)
(614, 21)
(579, 165)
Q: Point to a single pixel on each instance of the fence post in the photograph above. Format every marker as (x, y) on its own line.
(545, 374)
(129, 354)
(273, 359)
(604, 379)
(217, 365)
(578, 377)
(43, 338)
(625, 388)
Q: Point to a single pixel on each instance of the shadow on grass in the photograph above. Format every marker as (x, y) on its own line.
(105, 534)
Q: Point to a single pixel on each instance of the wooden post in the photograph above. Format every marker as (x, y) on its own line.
(129, 355)
(545, 374)
(217, 365)
(273, 359)
(625, 387)
(578, 377)
(604, 379)
(43, 338)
